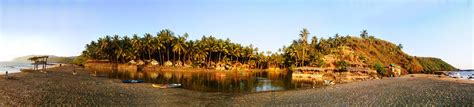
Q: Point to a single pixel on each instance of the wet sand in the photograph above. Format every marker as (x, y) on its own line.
(59, 86)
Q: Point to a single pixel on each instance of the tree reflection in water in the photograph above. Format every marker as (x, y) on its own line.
(230, 81)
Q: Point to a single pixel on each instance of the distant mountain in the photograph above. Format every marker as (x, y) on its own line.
(51, 59)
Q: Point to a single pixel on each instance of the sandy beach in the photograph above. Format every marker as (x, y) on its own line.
(59, 86)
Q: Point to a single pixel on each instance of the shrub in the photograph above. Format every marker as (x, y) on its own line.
(380, 68)
(342, 65)
(79, 60)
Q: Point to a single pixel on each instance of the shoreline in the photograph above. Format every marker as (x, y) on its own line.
(9, 72)
(19, 70)
(59, 86)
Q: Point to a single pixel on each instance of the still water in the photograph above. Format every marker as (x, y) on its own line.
(231, 81)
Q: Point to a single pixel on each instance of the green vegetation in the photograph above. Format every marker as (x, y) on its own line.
(434, 64)
(79, 60)
(380, 69)
(342, 65)
(340, 52)
(166, 47)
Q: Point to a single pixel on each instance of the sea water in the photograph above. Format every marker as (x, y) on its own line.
(13, 67)
(461, 74)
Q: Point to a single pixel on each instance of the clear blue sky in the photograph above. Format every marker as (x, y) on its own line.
(438, 28)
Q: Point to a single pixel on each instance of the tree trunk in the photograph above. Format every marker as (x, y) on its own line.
(159, 58)
(168, 54)
(220, 56)
(179, 56)
(302, 59)
(149, 55)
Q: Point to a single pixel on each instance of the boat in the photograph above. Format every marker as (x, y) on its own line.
(159, 85)
(166, 85)
(132, 81)
(174, 85)
(329, 82)
(471, 77)
(454, 75)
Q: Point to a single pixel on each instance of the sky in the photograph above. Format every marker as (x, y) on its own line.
(435, 28)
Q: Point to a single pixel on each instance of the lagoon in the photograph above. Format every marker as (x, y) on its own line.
(220, 81)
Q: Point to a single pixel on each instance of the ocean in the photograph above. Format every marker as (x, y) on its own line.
(461, 74)
(13, 67)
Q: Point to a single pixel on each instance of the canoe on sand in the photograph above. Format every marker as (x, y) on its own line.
(166, 85)
(133, 81)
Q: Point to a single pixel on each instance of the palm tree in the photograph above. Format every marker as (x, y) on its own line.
(147, 47)
(179, 44)
(149, 44)
(137, 46)
(167, 37)
(159, 47)
(105, 47)
(364, 34)
(127, 49)
(304, 38)
(221, 48)
(116, 48)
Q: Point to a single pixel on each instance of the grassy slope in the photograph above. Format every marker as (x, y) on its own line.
(434, 64)
(373, 50)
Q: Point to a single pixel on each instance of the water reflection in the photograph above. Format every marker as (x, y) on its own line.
(232, 81)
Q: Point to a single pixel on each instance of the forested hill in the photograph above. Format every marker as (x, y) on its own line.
(387, 53)
(51, 59)
(339, 52)
(365, 50)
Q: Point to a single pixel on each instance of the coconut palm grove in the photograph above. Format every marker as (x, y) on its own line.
(339, 52)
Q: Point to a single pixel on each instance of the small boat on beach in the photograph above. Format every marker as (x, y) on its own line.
(454, 75)
(471, 77)
(329, 82)
(132, 81)
(166, 85)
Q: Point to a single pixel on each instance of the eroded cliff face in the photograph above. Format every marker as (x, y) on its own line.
(366, 52)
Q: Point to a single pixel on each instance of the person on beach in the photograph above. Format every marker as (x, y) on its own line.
(6, 75)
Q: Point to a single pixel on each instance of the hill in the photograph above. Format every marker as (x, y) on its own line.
(51, 59)
(365, 51)
(434, 64)
(378, 50)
